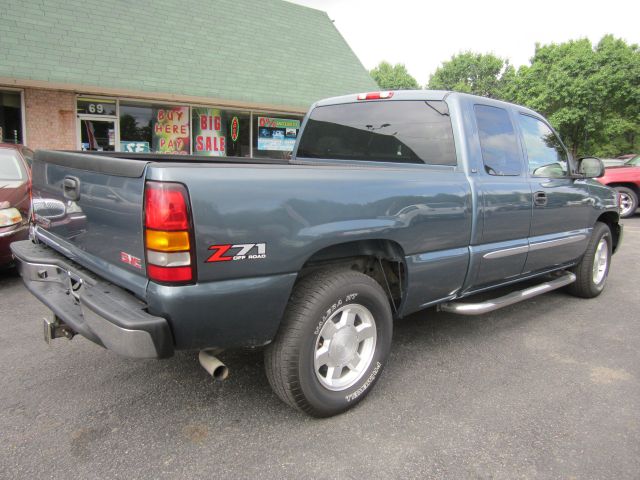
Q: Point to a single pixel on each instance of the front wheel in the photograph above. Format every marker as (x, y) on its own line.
(593, 269)
(333, 342)
(628, 201)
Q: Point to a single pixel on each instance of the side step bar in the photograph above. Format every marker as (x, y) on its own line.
(490, 305)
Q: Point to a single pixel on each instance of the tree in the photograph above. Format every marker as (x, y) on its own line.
(590, 95)
(618, 78)
(394, 77)
(476, 73)
(131, 130)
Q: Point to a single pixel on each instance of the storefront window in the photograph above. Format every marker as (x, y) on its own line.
(136, 127)
(238, 134)
(274, 137)
(219, 133)
(10, 117)
(206, 131)
(154, 128)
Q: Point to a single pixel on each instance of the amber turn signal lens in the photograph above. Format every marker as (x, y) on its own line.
(167, 241)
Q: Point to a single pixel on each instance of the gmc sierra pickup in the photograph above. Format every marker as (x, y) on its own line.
(392, 202)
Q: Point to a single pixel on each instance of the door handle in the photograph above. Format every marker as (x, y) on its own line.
(540, 199)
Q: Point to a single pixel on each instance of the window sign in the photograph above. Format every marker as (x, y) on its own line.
(277, 134)
(134, 147)
(238, 133)
(235, 129)
(171, 130)
(209, 132)
(96, 106)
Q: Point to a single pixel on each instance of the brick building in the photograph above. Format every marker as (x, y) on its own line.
(212, 77)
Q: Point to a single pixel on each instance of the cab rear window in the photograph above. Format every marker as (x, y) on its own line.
(387, 131)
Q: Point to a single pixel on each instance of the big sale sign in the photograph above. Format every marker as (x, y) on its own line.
(209, 132)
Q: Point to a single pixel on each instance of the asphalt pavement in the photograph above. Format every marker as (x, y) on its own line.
(549, 388)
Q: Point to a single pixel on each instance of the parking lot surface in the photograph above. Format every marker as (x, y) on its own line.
(549, 388)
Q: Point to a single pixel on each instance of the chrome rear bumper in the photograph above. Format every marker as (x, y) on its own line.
(91, 306)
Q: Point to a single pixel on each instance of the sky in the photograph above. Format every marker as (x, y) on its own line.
(423, 34)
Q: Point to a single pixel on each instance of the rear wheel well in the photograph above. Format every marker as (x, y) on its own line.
(612, 220)
(382, 260)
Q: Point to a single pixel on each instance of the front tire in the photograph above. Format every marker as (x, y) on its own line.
(628, 201)
(333, 342)
(593, 269)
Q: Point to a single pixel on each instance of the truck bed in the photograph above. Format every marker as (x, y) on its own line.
(159, 157)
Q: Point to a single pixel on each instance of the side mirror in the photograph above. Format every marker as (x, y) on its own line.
(590, 167)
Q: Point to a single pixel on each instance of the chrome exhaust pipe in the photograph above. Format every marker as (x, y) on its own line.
(213, 366)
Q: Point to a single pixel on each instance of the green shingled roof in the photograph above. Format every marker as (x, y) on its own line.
(254, 51)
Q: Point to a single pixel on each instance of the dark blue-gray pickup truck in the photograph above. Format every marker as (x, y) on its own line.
(390, 203)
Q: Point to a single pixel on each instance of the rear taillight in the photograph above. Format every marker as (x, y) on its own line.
(375, 95)
(169, 245)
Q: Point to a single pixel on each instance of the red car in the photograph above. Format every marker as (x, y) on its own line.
(626, 180)
(15, 183)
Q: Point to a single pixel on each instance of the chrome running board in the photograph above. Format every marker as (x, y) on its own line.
(490, 305)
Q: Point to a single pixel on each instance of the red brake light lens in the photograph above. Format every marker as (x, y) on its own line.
(165, 206)
(375, 95)
(170, 274)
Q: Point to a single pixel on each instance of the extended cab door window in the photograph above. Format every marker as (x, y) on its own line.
(498, 141)
(546, 154)
(398, 131)
(504, 200)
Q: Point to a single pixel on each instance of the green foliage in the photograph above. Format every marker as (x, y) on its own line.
(479, 74)
(394, 77)
(591, 95)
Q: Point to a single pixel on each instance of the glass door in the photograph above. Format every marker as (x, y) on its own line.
(97, 134)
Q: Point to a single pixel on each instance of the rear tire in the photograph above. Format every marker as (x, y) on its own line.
(593, 269)
(332, 344)
(628, 202)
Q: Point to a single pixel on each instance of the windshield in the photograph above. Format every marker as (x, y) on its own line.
(10, 166)
(634, 161)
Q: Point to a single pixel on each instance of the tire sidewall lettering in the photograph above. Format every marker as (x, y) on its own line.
(362, 295)
(370, 380)
(340, 302)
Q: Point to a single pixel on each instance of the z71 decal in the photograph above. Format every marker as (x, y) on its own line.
(241, 251)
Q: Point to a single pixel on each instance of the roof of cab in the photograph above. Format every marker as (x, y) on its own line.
(397, 95)
(422, 95)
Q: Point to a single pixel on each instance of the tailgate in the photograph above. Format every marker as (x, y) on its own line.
(92, 207)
